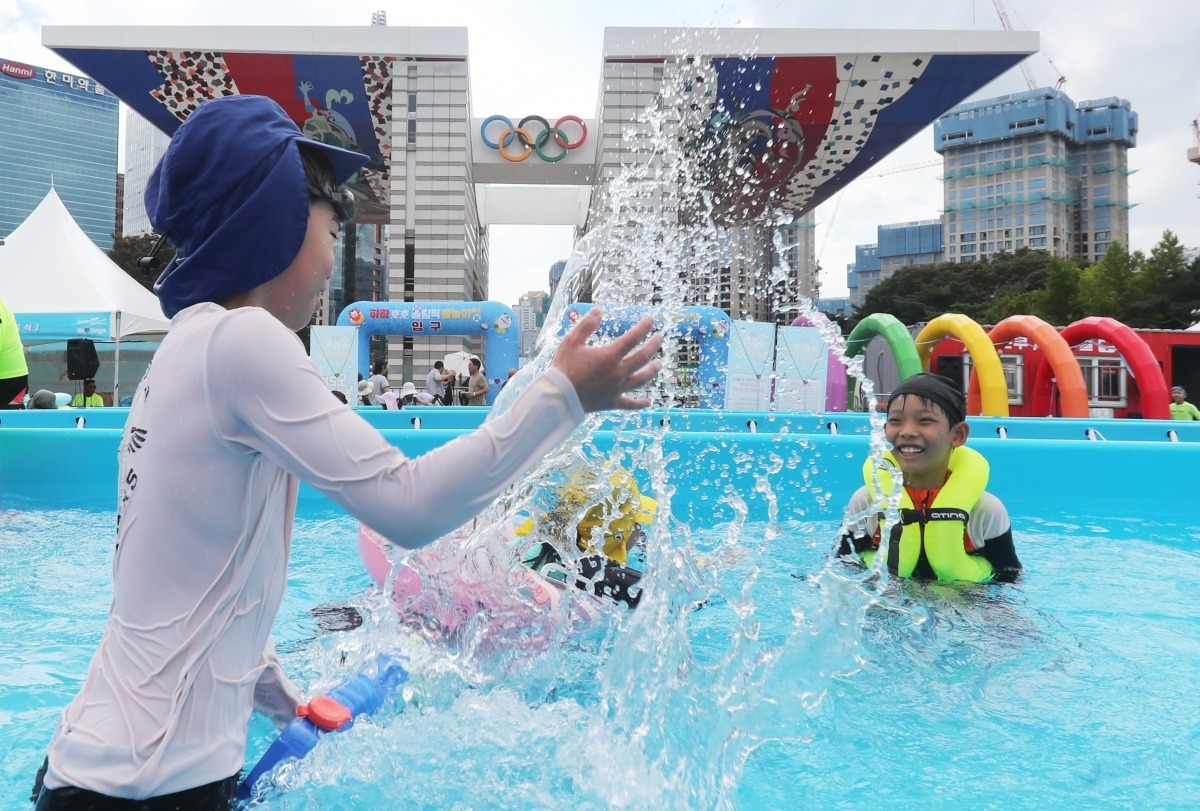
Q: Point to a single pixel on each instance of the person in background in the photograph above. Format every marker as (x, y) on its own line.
(43, 398)
(14, 371)
(477, 385)
(379, 382)
(88, 398)
(950, 527)
(200, 564)
(364, 392)
(1181, 409)
(436, 380)
(511, 374)
(410, 396)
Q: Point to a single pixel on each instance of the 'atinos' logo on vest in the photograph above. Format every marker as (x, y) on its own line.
(17, 70)
(948, 514)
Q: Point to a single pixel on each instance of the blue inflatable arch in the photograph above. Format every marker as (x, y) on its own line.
(708, 326)
(494, 321)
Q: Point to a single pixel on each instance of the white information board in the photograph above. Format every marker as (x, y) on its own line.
(334, 354)
(751, 356)
(801, 369)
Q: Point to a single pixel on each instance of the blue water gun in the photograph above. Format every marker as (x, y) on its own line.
(356, 695)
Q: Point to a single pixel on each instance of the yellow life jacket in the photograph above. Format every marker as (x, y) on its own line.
(939, 530)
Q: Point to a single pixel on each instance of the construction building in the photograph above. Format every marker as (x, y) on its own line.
(1036, 170)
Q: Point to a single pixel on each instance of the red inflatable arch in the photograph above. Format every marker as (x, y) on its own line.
(1055, 353)
(1142, 363)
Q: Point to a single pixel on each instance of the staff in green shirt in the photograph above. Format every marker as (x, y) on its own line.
(14, 372)
(1181, 409)
(89, 398)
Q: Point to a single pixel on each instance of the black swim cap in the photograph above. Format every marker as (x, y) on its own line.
(938, 389)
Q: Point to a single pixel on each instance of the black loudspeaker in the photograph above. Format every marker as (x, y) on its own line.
(82, 361)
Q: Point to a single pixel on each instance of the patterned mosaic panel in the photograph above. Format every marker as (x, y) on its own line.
(344, 100)
(789, 132)
(377, 81)
(190, 77)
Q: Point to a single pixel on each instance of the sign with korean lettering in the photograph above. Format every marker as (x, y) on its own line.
(60, 79)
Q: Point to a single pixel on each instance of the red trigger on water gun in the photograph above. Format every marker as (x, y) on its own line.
(325, 713)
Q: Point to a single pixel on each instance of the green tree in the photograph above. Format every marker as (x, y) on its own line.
(906, 295)
(1108, 288)
(985, 291)
(1058, 302)
(1009, 283)
(1162, 300)
(126, 251)
(1161, 291)
(1186, 289)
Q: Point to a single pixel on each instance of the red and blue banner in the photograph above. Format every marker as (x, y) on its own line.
(790, 131)
(343, 100)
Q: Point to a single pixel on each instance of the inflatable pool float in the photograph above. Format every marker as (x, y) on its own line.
(456, 586)
(474, 578)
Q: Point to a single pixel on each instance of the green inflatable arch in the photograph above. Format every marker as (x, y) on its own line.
(904, 348)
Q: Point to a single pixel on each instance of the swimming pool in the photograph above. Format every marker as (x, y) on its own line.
(756, 674)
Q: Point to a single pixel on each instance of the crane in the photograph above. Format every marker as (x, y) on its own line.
(1029, 80)
(907, 167)
(837, 201)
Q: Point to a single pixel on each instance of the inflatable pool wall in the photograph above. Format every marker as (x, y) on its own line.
(1073, 465)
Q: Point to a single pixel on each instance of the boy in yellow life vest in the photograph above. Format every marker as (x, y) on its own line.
(950, 527)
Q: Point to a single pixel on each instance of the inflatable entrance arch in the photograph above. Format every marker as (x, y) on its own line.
(983, 356)
(1142, 363)
(708, 326)
(494, 321)
(1056, 354)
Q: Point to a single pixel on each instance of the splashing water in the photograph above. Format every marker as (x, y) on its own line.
(662, 706)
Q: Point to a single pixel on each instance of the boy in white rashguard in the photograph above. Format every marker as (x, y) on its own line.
(227, 421)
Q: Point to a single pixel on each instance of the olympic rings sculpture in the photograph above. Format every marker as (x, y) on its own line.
(532, 142)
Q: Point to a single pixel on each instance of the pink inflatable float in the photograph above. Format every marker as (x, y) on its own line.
(455, 588)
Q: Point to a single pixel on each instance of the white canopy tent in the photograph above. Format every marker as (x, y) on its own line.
(60, 285)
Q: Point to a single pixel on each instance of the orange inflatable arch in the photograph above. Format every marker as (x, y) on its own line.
(1057, 358)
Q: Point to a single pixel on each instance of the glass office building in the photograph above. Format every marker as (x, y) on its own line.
(57, 128)
(145, 144)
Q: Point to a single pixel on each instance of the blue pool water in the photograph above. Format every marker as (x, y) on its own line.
(756, 674)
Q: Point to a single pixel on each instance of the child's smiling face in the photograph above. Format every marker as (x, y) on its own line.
(922, 438)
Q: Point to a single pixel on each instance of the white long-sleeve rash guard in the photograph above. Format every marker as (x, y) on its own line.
(227, 420)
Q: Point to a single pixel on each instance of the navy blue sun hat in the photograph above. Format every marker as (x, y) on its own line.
(231, 196)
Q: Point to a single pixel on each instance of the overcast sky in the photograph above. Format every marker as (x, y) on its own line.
(544, 56)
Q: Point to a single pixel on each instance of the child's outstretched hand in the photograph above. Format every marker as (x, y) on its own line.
(603, 374)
